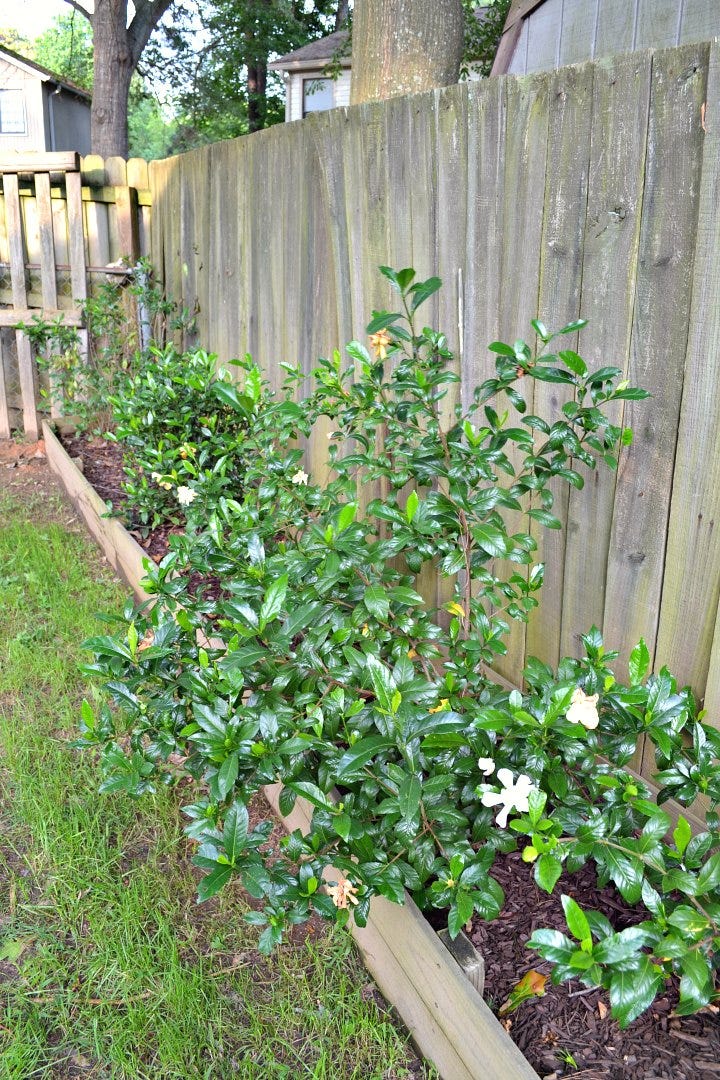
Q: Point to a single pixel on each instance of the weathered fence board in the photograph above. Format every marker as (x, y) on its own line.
(560, 282)
(526, 150)
(63, 221)
(691, 581)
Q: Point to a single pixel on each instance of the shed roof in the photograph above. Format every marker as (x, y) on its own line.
(43, 73)
(315, 53)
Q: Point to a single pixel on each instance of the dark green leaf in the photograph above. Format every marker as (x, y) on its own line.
(633, 990)
(235, 830)
(228, 774)
(213, 882)
(360, 754)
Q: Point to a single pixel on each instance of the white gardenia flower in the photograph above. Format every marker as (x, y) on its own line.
(514, 795)
(583, 709)
(185, 495)
(300, 477)
(486, 765)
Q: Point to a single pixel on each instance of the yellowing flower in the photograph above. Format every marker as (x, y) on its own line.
(513, 796)
(379, 343)
(300, 477)
(583, 709)
(342, 893)
(442, 706)
(186, 495)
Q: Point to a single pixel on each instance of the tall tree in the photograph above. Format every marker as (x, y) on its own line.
(117, 48)
(405, 46)
(223, 88)
(66, 48)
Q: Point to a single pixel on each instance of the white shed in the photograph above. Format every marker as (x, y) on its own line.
(308, 87)
(39, 111)
(543, 34)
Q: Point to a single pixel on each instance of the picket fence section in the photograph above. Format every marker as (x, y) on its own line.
(592, 191)
(65, 224)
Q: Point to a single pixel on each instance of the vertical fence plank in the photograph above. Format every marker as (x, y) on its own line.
(78, 273)
(526, 144)
(566, 190)
(26, 365)
(47, 242)
(659, 339)
(485, 218)
(691, 584)
(47, 259)
(4, 401)
(619, 132)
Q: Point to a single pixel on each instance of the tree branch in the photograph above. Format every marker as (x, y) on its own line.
(148, 14)
(83, 11)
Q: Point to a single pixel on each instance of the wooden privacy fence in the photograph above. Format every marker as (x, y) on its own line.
(593, 191)
(63, 220)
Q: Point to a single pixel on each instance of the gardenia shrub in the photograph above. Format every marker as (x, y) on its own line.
(182, 428)
(307, 655)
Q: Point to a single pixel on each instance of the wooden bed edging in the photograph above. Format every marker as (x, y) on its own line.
(446, 1017)
(123, 553)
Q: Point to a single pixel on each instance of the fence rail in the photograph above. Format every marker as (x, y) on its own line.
(64, 220)
(592, 191)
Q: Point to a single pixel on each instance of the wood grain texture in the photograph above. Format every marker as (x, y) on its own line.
(526, 159)
(661, 315)
(122, 552)
(617, 162)
(47, 241)
(691, 584)
(5, 430)
(566, 192)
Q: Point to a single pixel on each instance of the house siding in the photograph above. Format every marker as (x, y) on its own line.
(14, 78)
(562, 32)
(68, 121)
(294, 91)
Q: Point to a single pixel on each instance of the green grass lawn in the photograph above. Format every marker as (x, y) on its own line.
(108, 968)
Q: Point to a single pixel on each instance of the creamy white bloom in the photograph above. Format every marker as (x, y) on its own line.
(486, 765)
(300, 477)
(513, 796)
(583, 709)
(185, 495)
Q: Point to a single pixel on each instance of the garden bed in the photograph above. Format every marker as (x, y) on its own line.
(566, 1030)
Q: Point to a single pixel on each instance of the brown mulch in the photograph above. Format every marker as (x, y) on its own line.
(569, 1019)
(101, 463)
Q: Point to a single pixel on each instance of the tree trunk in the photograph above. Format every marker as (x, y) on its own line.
(342, 14)
(113, 68)
(404, 47)
(257, 86)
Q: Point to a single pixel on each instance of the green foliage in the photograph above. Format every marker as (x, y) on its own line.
(182, 425)
(223, 89)
(288, 642)
(65, 48)
(483, 30)
(83, 380)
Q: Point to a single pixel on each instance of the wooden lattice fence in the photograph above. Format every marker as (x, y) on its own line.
(64, 221)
